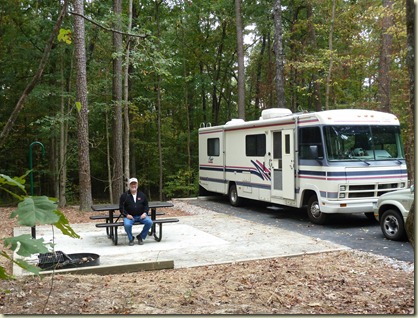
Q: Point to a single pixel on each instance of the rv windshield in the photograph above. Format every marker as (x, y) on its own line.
(363, 143)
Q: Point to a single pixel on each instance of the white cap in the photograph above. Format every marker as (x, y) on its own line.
(132, 180)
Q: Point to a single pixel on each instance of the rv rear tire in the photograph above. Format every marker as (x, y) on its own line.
(314, 211)
(234, 199)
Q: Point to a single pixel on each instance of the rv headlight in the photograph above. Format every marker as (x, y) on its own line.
(342, 187)
(342, 195)
(402, 184)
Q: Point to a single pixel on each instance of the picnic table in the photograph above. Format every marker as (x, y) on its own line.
(112, 219)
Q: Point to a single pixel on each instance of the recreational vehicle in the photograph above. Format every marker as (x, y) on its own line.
(334, 161)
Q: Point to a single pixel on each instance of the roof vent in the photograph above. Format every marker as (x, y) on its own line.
(235, 121)
(275, 112)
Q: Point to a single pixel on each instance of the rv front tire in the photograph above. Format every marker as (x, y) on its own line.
(234, 199)
(314, 211)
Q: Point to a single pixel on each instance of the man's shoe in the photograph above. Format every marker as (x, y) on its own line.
(140, 241)
(132, 243)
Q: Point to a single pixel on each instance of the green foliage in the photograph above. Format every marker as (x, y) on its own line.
(192, 49)
(32, 210)
(24, 245)
(78, 106)
(183, 184)
(65, 36)
(6, 181)
(36, 209)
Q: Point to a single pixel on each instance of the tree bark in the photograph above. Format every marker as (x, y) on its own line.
(410, 225)
(126, 137)
(19, 106)
(411, 63)
(62, 159)
(258, 76)
(83, 125)
(240, 53)
(117, 143)
(312, 39)
(278, 48)
(385, 58)
(158, 89)
(217, 76)
(330, 48)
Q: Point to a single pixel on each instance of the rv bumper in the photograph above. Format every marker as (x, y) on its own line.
(347, 206)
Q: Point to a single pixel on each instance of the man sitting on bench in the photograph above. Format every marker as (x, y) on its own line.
(133, 205)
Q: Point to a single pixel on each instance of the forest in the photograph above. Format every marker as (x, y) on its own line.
(94, 92)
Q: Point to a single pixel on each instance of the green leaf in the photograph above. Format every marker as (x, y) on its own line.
(64, 225)
(24, 245)
(16, 182)
(21, 263)
(33, 210)
(78, 106)
(65, 36)
(4, 275)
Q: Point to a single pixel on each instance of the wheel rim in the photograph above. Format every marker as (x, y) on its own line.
(233, 195)
(391, 225)
(315, 210)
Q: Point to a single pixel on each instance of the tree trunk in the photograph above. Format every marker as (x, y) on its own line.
(312, 39)
(109, 161)
(203, 94)
(217, 76)
(83, 125)
(240, 53)
(331, 32)
(158, 88)
(278, 48)
(258, 76)
(410, 61)
(117, 148)
(19, 106)
(385, 58)
(410, 225)
(126, 137)
(62, 161)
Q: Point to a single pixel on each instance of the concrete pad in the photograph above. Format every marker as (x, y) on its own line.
(194, 241)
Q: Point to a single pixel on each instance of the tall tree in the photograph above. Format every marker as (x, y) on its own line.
(126, 137)
(278, 50)
(385, 58)
(312, 40)
(83, 124)
(117, 143)
(331, 55)
(240, 53)
(158, 102)
(410, 60)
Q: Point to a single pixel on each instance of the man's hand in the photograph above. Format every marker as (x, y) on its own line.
(130, 217)
(143, 216)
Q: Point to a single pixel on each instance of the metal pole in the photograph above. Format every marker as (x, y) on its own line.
(31, 176)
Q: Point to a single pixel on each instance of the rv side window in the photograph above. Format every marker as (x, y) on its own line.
(255, 145)
(213, 147)
(309, 141)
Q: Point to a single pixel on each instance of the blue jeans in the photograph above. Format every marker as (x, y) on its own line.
(127, 223)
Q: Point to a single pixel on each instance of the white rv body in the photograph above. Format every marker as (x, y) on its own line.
(306, 159)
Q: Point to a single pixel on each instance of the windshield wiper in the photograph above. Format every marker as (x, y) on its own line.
(362, 160)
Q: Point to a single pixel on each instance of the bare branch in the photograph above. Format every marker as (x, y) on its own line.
(143, 36)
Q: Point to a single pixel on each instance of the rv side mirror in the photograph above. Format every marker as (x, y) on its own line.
(314, 152)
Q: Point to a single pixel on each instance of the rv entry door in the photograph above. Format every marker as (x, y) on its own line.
(283, 164)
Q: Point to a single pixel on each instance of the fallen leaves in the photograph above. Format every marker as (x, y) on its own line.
(345, 282)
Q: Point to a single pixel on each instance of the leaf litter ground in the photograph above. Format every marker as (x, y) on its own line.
(347, 282)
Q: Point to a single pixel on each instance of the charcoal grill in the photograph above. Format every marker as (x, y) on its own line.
(60, 260)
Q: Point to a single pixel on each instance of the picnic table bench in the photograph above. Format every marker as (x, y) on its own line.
(112, 221)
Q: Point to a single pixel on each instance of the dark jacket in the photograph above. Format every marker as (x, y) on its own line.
(128, 206)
